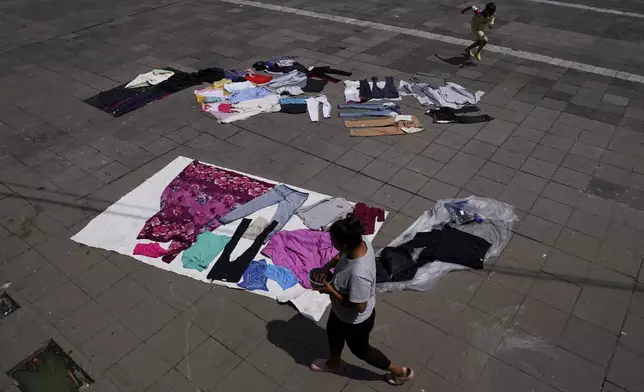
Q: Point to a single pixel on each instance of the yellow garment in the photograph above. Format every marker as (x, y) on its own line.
(480, 22)
(217, 87)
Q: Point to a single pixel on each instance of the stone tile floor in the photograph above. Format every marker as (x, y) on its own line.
(561, 310)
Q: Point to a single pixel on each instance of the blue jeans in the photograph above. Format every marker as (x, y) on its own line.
(288, 200)
(371, 106)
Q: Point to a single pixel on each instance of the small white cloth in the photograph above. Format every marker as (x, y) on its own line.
(151, 78)
(238, 86)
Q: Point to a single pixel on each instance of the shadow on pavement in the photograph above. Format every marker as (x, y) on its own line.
(305, 341)
(460, 61)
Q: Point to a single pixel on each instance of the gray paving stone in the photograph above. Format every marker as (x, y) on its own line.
(539, 168)
(525, 352)
(588, 223)
(479, 149)
(519, 145)
(208, 365)
(478, 329)
(454, 176)
(391, 197)
(176, 340)
(528, 182)
(458, 362)
(110, 345)
(371, 147)
(439, 152)
(467, 162)
(172, 381)
(551, 210)
(396, 156)
(416, 206)
(354, 160)
(578, 244)
(578, 334)
(98, 278)
(496, 172)
(539, 229)
(569, 372)
(540, 319)
(484, 187)
(147, 317)
(61, 302)
(362, 185)
(380, 170)
(632, 335)
(245, 377)
(625, 369)
(138, 370)
(436, 190)
(499, 376)
(497, 301)
(84, 322)
(514, 274)
(425, 166)
(121, 297)
(451, 140)
(241, 332)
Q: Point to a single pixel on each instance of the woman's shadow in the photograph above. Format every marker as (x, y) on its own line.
(305, 341)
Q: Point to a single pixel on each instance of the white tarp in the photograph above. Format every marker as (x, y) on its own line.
(117, 227)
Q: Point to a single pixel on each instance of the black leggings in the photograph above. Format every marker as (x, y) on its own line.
(357, 338)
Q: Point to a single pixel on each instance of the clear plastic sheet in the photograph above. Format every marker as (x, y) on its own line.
(492, 220)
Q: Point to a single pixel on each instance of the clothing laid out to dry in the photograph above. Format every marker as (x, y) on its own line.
(380, 109)
(450, 95)
(194, 202)
(448, 245)
(449, 116)
(122, 100)
(259, 272)
(399, 125)
(325, 212)
(368, 216)
(300, 251)
(366, 90)
(232, 270)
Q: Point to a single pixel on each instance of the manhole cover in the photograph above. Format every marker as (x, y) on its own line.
(7, 305)
(50, 369)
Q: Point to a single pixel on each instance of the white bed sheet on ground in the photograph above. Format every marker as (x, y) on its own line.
(117, 227)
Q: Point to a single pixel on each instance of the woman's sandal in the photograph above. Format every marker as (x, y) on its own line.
(392, 379)
(320, 365)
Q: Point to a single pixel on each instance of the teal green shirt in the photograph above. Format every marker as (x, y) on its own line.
(204, 251)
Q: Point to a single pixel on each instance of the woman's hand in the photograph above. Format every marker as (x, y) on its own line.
(319, 276)
(327, 289)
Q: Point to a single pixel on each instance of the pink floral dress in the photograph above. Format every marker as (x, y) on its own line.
(194, 201)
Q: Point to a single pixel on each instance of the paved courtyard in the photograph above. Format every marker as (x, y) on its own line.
(562, 309)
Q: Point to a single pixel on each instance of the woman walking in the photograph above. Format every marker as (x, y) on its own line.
(353, 300)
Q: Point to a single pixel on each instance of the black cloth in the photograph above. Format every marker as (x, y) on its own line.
(449, 245)
(448, 116)
(324, 71)
(357, 338)
(314, 85)
(120, 100)
(273, 66)
(219, 269)
(376, 91)
(365, 91)
(293, 108)
(390, 88)
(234, 270)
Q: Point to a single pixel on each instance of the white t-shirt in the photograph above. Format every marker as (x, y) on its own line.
(356, 280)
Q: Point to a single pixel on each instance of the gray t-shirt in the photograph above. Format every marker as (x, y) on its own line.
(355, 278)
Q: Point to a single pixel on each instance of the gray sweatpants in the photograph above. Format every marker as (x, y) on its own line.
(288, 200)
(324, 212)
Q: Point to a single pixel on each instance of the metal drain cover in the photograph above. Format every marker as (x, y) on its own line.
(50, 369)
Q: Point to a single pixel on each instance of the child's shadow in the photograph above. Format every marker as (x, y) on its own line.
(460, 61)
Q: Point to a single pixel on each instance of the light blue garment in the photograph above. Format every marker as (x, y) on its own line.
(248, 94)
(371, 113)
(282, 275)
(204, 250)
(288, 200)
(371, 106)
(291, 100)
(258, 273)
(290, 79)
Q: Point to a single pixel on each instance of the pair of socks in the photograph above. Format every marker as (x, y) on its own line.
(232, 271)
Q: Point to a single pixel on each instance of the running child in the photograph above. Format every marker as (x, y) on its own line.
(482, 21)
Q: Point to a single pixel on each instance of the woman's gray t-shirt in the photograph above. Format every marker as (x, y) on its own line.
(356, 280)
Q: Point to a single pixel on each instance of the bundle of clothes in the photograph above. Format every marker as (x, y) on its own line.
(151, 87)
(204, 197)
(455, 234)
(229, 101)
